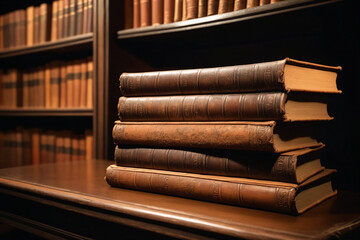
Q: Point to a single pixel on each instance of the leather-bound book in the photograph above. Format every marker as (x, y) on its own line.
(67, 146)
(63, 84)
(44, 158)
(89, 21)
(225, 107)
(202, 9)
(47, 74)
(66, 19)
(89, 82)
(51, 146)
(128, 13)
(75, 148)
(145, 13)
(82, 147)
(294, 166)
(225, 6)
(77, 83)
(254, 136)
(79, 16)
(282, 75)
(59, 146)
(282, 197)
(45, 22)
(191, 9)
(213, 6)
(22, 28)
(136, 14)
(16, 28)
(72, 18)
(157, 12)
(30, 84)
(239, 4)
(178, 10)
(70, 81)
(169, 11)
(18, 146)
(54, 20)
(264, 2)
(55, 85)
(83, 83)
(60, 27)
(25, 98)
(41, 87)
(184, 10)
(26, 146)
(12, 32)
(252, 3)
(36, 25)
(89, 144)
(35, 143)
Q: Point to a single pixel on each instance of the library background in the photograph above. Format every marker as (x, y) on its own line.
(179, 119)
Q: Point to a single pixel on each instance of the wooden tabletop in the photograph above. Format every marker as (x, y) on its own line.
(46, 198)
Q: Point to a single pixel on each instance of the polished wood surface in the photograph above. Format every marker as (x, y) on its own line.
(78, 188)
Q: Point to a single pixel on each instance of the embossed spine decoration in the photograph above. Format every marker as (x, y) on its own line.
(243, 194)
(226, 107)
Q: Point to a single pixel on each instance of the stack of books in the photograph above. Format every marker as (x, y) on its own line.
(242, 135)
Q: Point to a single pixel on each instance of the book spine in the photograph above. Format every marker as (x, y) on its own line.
(35, 143)
(47, 86)
(83, 84)
(43, 22)
(77, 84)
(65, 32)
(191, 9)
(224, 163)
(16, 27)
(169, 11)
(145, 13)
(36, 39)
(136, 14)
(55, 85)
(70, 79)
(89, 82)
(41, 87)
(26, 145)
(178, 10)
(72, 18)
(54, 20)
(184, 9)
(225, 6)
(223, 136)
(22, 27)
(89, 144)
(213, 6)
(63, 92)
(79, 16)
(217, 107)
(59, 148)
(252, 3)
(157, 12)
(239, 4)
(272, 198)
(89, 23)
(51, 146)
(257, 77)
(264, 2)
(202, 9)
(60, 27)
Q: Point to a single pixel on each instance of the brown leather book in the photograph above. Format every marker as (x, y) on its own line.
(184, 10)
(54, 20)
(295, 166)
(157, 12)
(16, 28)
(51, 146)
(239, 4)
(128, 14)
(35, 143)
(1, 32)
(36, 25)
(225, 6)
(79, 16)
(89, 21)
(145, 13)
(191, 9)
(45, 22)
(77, 84)
(254, 136)
(252, 3)
(169, 11)
(27, 148)
(282, 75)
(63, 84)
(83, 83)
(44, 158)
(55, 85)
(18, 146)
(202, 9)
(15, 88)
(72, 18)
(178, 10)
(47, 82)
(12, 32)
(225, 107)
(82, 147)
(66, 19)
(213, 6)
(60, 27)
(269, 195)
(41, 87)
(59, 147)
(70, 81)
(67, 146)
(89, 144)
(75, 148)
(136, 14)
(26, 88)
(22, 27)
(264, 2)
(89, 82)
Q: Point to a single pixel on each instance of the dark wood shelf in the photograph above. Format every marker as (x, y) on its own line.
(80, 42)
(73, 201)
(223, 19)
(47, 112)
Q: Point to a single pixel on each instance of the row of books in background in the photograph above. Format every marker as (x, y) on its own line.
(53, 85)
(155, 12)
(49, 21)
(35, 146)
(243, 135)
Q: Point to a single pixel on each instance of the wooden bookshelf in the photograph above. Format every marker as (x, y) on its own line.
(47, 112)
